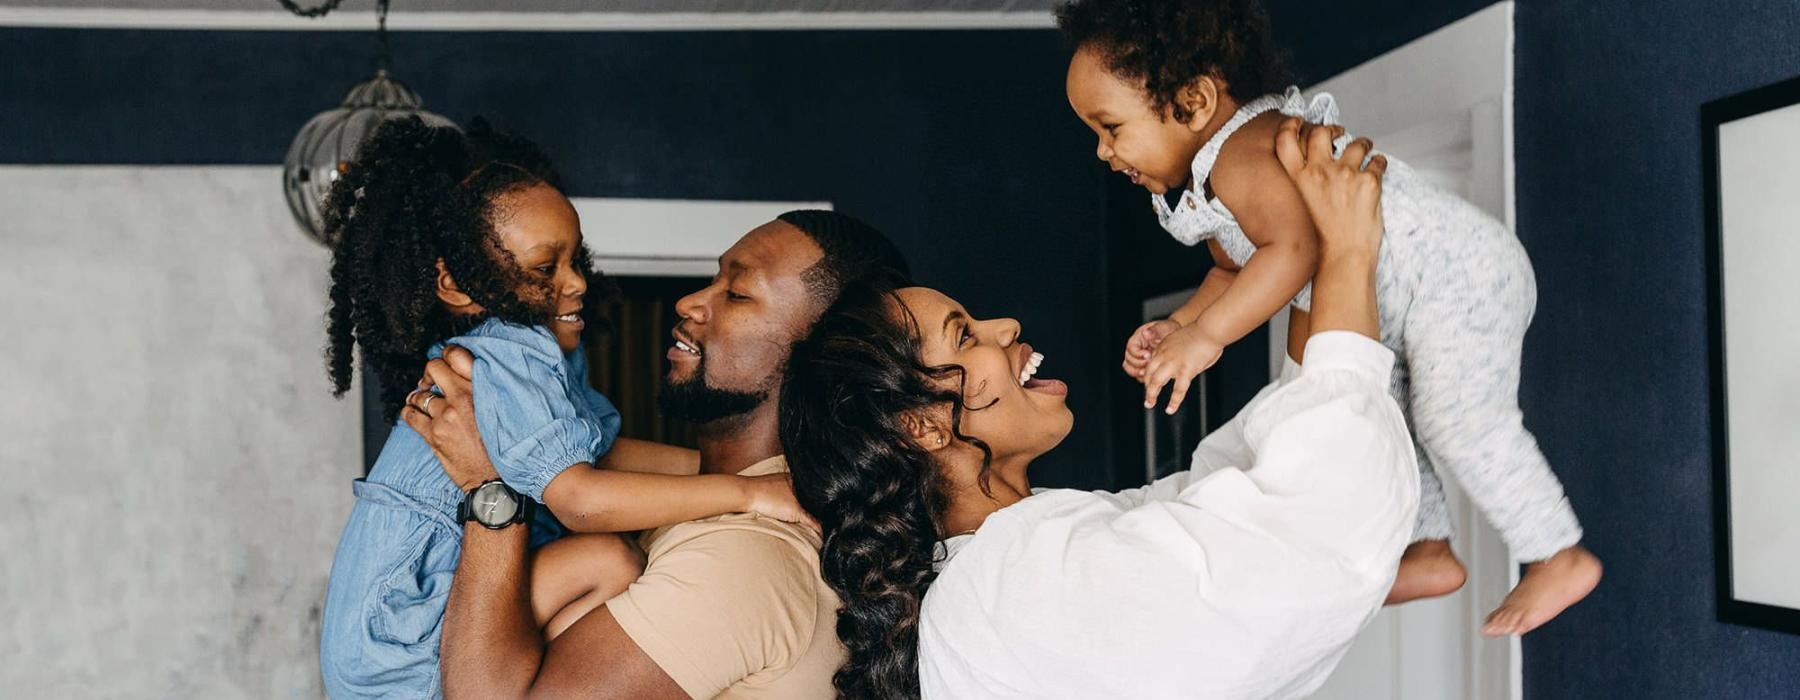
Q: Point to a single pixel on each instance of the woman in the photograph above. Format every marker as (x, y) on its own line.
(910, 428)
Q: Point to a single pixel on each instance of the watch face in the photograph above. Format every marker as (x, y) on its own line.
(493, 504)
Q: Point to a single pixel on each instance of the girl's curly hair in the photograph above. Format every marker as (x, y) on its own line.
(876, 493)
(1167, 44)
(415, 195)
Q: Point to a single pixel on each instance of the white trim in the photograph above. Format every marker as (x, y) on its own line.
(670, 237)
(347, 20)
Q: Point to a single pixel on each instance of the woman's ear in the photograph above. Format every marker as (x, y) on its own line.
(451, 295)
(1200, 99)
(926, 431)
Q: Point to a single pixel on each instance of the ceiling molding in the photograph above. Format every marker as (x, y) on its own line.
(266, 20)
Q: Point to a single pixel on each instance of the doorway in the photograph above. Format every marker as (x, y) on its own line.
(1443, 104)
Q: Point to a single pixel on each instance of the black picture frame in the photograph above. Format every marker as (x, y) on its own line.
(1713, 115)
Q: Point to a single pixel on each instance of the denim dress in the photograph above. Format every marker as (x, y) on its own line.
(391, 576)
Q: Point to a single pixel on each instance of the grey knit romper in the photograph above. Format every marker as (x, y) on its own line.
(1456, 293)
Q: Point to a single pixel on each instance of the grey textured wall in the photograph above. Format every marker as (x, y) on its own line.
(176, 473)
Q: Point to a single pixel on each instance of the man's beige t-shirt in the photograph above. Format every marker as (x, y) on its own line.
(733, 607)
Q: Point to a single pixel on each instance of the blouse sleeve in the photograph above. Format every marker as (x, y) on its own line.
(527, 414)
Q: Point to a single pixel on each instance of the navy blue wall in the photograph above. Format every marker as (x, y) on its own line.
(1610, 204)
(959, 144)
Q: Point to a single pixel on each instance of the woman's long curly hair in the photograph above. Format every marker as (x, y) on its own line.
(415, 195)
(1167, 44)
(876, 493)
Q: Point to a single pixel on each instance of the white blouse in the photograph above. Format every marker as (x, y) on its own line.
(1245, 578)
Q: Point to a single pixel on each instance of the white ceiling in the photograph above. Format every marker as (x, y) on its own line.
(567, 6)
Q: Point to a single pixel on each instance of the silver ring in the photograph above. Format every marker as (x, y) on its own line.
(425, 408)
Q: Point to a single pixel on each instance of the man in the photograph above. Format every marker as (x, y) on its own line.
(729, 607)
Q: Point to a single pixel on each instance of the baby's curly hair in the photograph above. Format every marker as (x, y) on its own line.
(417, 194)
(1167, 44)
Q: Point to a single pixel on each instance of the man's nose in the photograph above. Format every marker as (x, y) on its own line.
(692, 307)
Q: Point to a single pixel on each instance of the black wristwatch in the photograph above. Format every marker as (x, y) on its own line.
(495, 505)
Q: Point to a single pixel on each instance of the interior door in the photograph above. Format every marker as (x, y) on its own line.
(1443, 105)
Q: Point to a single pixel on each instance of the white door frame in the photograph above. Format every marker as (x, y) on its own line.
(1443, 103)
(670, 237)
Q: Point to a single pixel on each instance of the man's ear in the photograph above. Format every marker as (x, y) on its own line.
(1200, 99)
(926, 431)
(451, 295)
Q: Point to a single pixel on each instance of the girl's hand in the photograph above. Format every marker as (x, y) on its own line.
(1183, 355)
(1343, 196)
(772, 496)
(1143, 342)
(447, 419)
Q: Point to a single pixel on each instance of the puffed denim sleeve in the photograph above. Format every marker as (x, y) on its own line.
(535, 421)
(601, 407)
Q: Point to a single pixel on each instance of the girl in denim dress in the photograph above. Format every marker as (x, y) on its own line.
(444, 239)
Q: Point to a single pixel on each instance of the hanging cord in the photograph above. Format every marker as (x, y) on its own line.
(383, 61)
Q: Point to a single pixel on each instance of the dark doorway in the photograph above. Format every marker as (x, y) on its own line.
(627, 365)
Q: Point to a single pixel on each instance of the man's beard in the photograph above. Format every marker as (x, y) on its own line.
(694, 401)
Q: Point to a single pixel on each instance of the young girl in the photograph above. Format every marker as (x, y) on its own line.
(1186, 97)
(451, 239)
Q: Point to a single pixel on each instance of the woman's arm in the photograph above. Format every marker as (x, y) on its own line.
(646, 457)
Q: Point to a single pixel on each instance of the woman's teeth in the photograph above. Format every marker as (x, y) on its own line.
(689, 349)
(1134, 175)
(1031, 367)
(570, 318)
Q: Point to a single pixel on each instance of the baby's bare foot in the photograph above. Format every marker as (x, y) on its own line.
(1549, 587)
(1428, 569)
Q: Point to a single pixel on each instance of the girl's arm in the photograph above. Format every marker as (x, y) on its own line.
(586, 499)
(1218, 279)
(646, 457)
(1252, 184)
(545, 448)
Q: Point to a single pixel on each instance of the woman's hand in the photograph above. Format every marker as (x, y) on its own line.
(772, 496)
(1343, 196)
(446, 419)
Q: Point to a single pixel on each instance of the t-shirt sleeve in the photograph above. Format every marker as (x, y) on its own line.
(721, 607)
(528, 420)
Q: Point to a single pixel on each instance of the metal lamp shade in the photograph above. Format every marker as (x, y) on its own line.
(328, 144)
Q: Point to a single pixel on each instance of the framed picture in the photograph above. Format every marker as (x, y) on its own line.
(1750, 147)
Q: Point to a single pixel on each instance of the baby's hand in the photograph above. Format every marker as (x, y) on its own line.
(1143, 342)
(772, 496)
(1182, 356)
